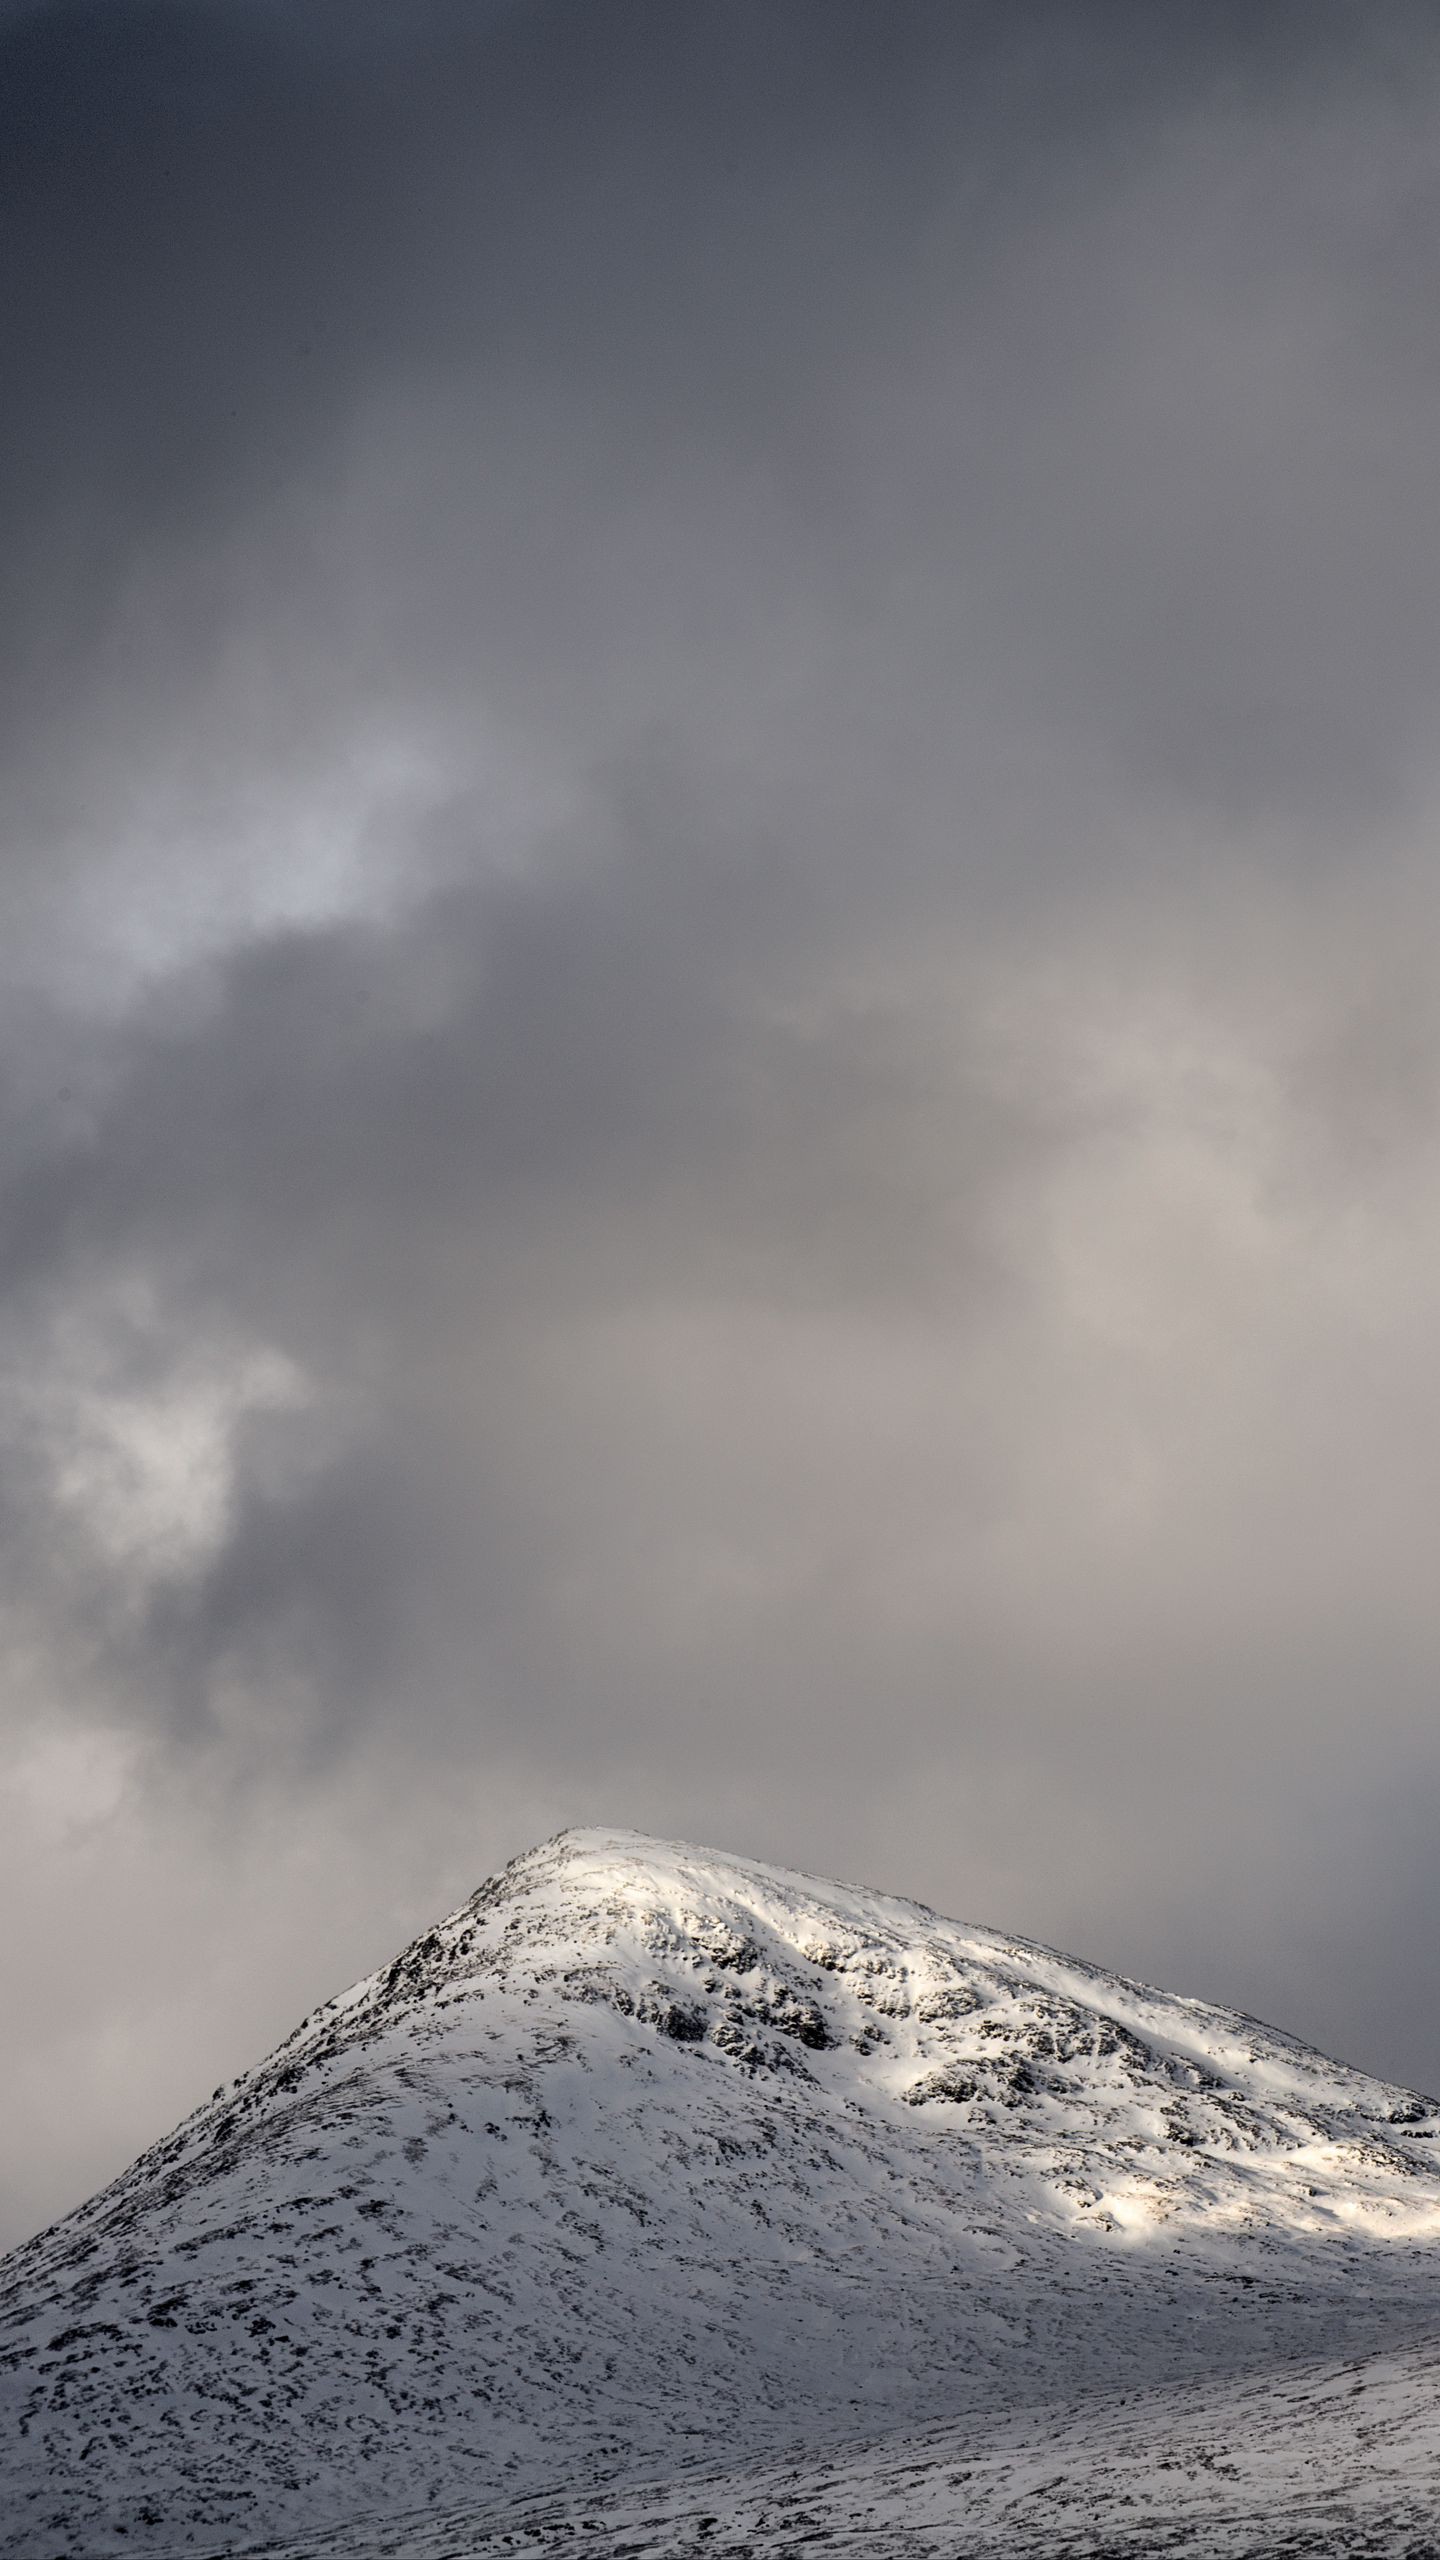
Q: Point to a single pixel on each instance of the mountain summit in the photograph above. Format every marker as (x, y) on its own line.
(649, 2156)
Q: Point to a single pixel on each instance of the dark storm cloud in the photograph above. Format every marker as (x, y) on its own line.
(1076, 330)
(720, 1080)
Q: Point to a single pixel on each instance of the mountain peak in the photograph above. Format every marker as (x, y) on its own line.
(647, 2150)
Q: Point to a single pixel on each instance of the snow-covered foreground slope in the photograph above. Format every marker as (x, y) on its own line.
(1316, 2460)
(649, 2157)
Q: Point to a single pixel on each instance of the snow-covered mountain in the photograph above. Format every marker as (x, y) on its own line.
(649, 2158)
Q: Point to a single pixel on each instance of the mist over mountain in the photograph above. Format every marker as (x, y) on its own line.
(719, 988)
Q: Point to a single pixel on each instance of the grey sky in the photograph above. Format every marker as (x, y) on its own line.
(719, 1044)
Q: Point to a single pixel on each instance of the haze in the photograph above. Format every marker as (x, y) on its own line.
(718, 785)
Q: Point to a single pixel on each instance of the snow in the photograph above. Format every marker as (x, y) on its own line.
(649, 2164)
(1315, 2460)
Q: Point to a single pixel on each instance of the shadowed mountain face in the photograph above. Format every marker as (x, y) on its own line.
(649, 2157)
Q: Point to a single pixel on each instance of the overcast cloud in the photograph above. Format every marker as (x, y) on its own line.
(719, 989)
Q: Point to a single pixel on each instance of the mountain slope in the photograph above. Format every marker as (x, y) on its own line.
(648, 2156)
(1307, 2462)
